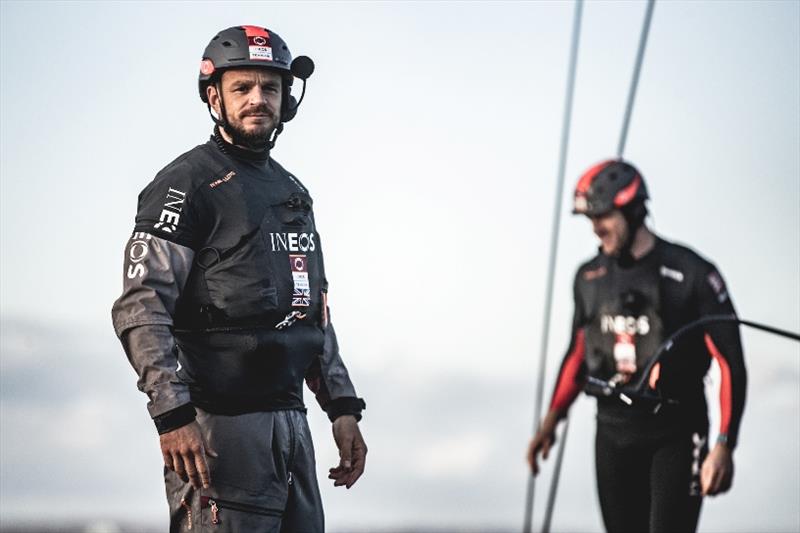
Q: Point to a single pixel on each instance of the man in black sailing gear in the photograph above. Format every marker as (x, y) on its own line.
(224, 312)
(653, 464)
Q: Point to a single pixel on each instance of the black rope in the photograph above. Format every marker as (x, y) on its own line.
(623, 136)
(667, 345)
(639, 392)
(562, 161)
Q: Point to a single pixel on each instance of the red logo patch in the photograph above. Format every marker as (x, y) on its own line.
(207, 67)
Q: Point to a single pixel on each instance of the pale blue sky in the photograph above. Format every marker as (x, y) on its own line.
(429, 139)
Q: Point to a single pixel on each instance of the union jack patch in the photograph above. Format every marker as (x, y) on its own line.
(301, 297)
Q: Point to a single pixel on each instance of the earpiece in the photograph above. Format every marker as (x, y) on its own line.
(289, 109)
(302, 67)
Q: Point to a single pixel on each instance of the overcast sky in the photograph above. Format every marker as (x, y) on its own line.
(429, 140)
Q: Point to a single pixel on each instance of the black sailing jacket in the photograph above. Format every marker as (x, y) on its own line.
(224, 304)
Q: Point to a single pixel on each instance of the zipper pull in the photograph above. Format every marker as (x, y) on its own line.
(188, 513)
(290, 478)
(214, 512)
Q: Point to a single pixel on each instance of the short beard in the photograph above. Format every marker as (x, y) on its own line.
(252, 140)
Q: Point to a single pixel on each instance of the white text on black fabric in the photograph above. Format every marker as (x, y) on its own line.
(171, 214)
(292, 242)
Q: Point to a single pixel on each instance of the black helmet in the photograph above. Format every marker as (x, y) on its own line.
(612, 184)
(253, 46)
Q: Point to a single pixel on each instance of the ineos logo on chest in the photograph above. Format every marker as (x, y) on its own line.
(292, 242)
(628, 325)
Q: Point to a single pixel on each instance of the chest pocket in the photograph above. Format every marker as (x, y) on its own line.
(239, 280)
(274, 268)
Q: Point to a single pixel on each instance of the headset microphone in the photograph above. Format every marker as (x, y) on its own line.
(302, 67)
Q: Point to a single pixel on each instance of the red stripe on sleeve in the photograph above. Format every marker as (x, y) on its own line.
(568, 387)
(725, 395)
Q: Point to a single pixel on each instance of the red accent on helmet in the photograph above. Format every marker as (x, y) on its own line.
(586, 180)
(207, 67)
(255, 31)
(626, 195)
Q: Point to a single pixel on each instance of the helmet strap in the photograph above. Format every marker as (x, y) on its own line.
(221, 120)
(634, 215)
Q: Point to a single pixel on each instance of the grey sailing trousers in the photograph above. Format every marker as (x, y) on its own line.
(263, 480)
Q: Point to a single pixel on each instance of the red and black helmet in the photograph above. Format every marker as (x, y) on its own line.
(243, 46)
(609, 185)
(253, 46)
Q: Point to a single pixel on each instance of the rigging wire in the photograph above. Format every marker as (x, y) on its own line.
(620, 151)
(562, 160)
(637, 69)
(551, 498)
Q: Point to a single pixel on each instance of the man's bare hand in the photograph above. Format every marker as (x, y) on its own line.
(543, 440)
(716, 475)
(184, 451)
(352, 452)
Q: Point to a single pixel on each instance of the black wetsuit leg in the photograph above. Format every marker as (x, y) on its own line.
(675, 483)
(648, 476)
(623, 480)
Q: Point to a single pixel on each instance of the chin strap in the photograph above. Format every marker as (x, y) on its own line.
(634, 217)
(220, 121)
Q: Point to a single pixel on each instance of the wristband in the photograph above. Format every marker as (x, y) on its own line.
(178, 417)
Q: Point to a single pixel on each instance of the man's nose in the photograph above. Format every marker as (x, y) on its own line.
(258, 96)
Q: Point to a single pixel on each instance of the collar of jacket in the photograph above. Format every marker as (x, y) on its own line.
(237, 151)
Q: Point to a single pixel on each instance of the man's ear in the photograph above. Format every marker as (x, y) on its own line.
(213, 97)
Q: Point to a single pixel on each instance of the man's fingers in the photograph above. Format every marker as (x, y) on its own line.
(167, 460)
(191, 470)
(533, 450)
(209, 451)
(177, 465)
(358, 469)
(709, 480)
(346, 454)
(359, 462)
(337, 472)
(202, 469)
(546, 448)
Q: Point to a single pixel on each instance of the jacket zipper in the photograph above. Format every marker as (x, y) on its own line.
(216, 504)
